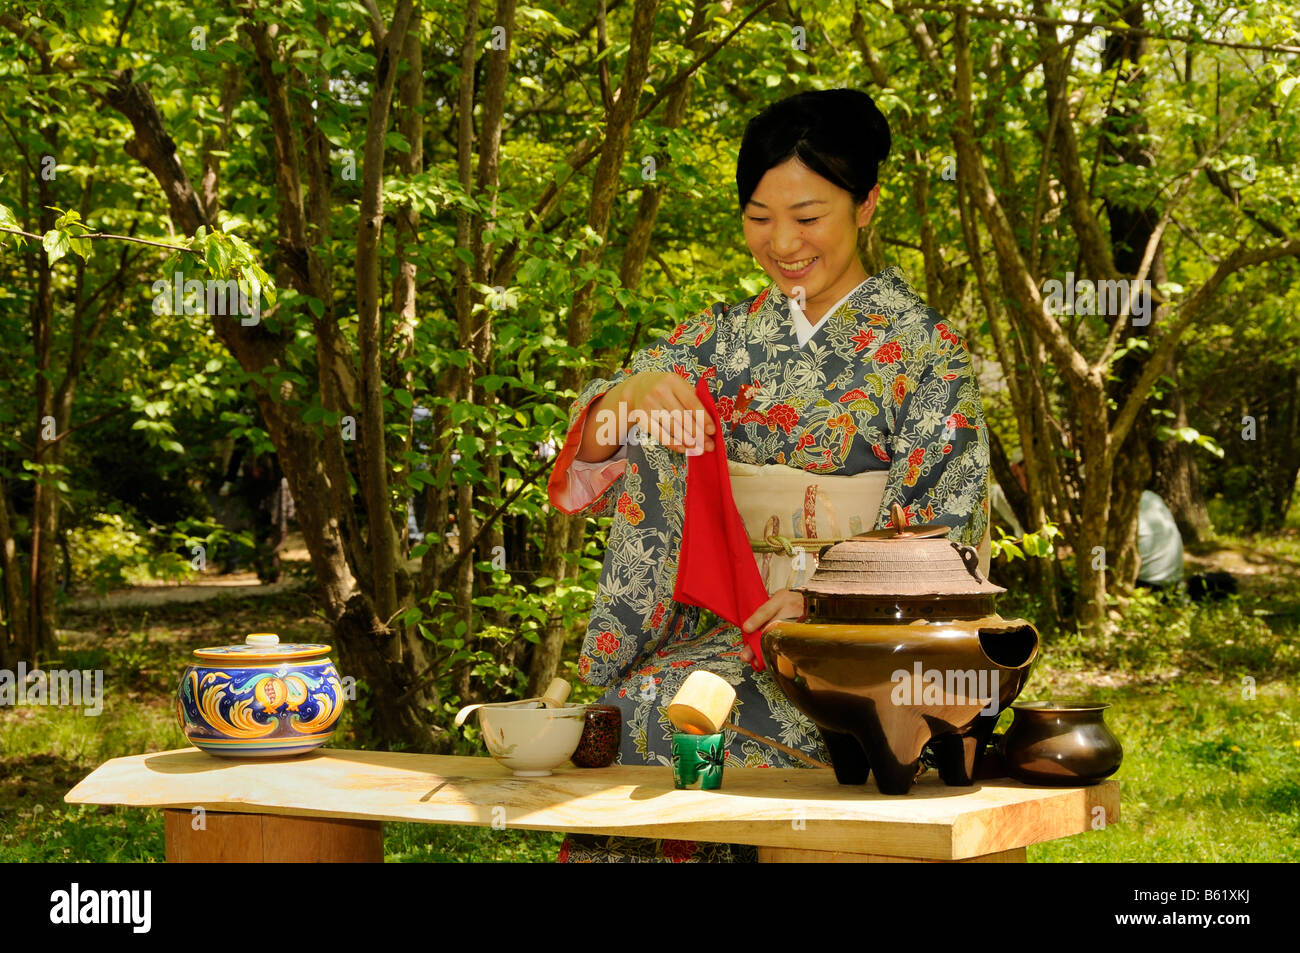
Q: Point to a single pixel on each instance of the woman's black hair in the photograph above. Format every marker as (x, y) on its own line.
(838, 133)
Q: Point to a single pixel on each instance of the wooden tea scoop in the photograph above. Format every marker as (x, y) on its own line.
(702, 706)
(554, 697)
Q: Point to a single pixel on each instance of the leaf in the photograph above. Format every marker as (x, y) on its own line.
(56, 244)
(80, 247)
(217, 257)
(1190, 435)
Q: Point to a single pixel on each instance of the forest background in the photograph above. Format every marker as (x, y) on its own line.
(456, 213)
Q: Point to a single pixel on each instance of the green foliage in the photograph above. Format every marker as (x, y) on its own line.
(1037, 544)
(114, 551)
(1191, 435)
(177, 395)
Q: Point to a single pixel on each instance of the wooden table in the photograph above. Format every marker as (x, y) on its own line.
(331, 805)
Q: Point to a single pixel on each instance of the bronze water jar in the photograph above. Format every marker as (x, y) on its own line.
(901, 648)
(1061, 743)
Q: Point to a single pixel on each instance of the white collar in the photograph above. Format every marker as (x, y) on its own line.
(803, 328)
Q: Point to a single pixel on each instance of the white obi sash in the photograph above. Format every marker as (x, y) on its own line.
(786, 501)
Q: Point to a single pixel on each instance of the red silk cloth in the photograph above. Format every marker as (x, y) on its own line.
(716, 569)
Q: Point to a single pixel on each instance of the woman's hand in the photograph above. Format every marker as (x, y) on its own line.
(674, 415)
(783, 604)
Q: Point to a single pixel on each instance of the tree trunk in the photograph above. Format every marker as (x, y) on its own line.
(618, 126)
(462, 587)
(14, 638)
(1280, 433)
(1090, 557)
(1132, 229)
(40, 591)
(372, 448)
(1175, 475)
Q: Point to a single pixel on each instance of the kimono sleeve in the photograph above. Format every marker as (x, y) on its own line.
(576, 487)
(939, 451)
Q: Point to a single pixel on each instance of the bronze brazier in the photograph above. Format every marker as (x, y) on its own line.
(901, 648)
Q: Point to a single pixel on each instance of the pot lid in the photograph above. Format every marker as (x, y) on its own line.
(907, 561)
(263, 647)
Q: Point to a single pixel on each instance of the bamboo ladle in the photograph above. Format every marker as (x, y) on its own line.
(554, 697)
(702, 706)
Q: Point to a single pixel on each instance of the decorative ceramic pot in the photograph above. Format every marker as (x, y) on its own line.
(601, 735)
(260, 699)
(1061, 743)
(901, 648)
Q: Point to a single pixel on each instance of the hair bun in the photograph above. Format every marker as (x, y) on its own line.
(838, 133)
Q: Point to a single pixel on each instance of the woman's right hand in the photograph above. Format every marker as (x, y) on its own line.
(673, 413)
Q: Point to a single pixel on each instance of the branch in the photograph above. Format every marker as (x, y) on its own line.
(377, 31)
(121, 27)
(586, 150)
(1240, 258)
(1149, 253)
(108, 235)
(1006, 16)
(1014, 270)
(1092, 243)
(602, 44)
(155, 149)
(700, 60)
(45, 445)
(466, 551)
(31, 37)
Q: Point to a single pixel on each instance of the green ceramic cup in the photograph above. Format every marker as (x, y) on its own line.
(698, 758)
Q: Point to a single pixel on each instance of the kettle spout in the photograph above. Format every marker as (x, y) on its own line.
(1012, 644)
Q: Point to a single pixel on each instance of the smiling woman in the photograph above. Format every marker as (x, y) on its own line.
(838, 395)
(806, 186)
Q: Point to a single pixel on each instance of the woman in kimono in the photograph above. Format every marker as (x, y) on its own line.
(829, 371)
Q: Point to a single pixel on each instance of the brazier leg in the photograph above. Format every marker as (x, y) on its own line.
(892, 776)
(956, 754)
(847, 757)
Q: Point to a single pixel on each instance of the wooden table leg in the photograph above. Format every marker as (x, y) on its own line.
(798, 855)
(220, 837)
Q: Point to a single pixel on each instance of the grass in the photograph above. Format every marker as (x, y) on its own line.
(1208, 775)
(1203, 700)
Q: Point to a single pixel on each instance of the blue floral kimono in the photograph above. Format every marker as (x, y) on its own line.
(883, 384)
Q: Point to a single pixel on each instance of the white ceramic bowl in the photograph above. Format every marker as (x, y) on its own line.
(531, 740)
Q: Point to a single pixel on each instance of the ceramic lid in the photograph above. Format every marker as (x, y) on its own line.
(263, 647)
(907, 561)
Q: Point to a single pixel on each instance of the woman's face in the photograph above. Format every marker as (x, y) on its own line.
(803, 230)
